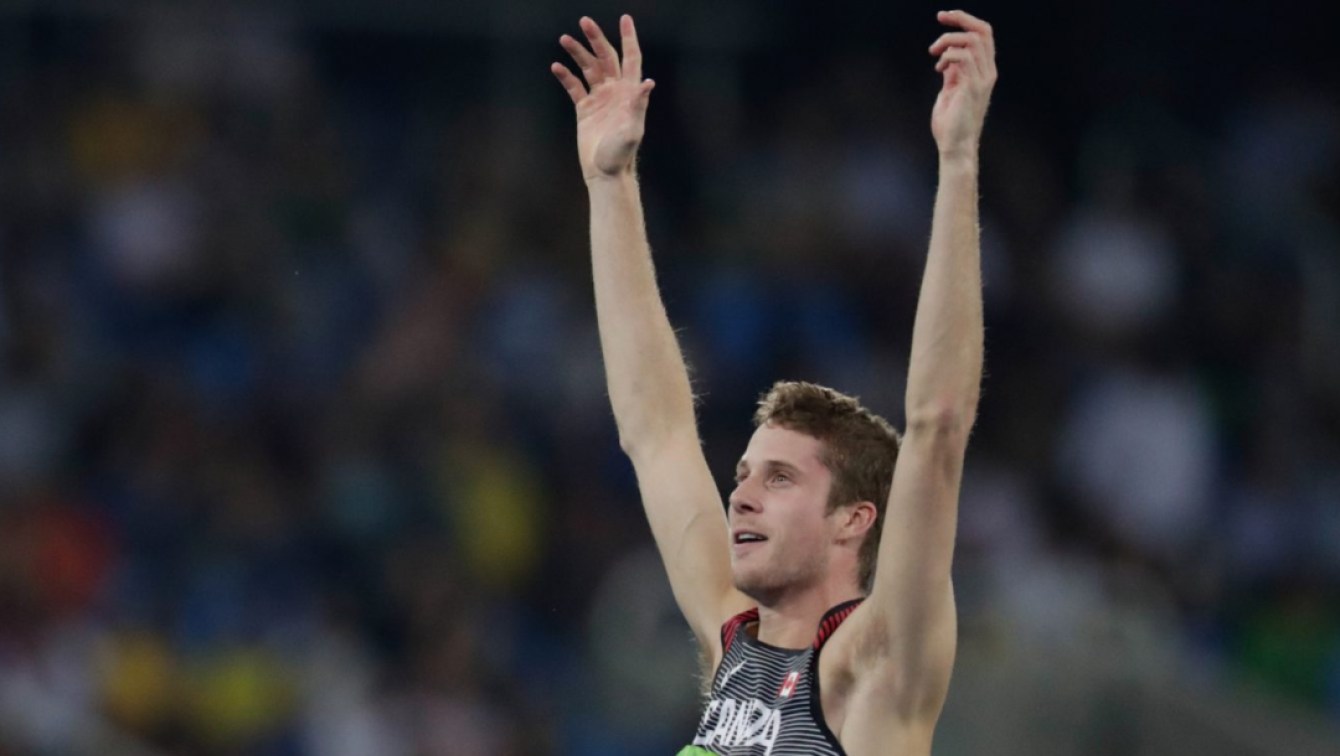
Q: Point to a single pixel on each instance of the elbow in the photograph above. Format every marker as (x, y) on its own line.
(646, 423)
(637, 424)
(632, 444)
(942, 418)
(633, 440)
(648, 439)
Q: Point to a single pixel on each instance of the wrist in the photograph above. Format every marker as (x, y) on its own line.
(600, 181)
(963, 159)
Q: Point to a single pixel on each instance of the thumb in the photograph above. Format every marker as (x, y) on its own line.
(644, 95)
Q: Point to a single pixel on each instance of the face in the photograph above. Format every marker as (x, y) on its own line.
(781, 495)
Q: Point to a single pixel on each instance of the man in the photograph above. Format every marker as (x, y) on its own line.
(811, 655)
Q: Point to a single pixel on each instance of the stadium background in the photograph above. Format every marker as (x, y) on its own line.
(303, 440)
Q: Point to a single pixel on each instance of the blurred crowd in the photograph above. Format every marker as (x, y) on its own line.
(304, 442)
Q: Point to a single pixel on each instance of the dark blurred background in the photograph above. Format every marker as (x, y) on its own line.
(304, 444)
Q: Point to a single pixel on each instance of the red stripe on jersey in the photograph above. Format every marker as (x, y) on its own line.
(831, 623)
(733, 625)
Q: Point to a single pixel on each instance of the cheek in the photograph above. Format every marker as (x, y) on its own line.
(805, 523)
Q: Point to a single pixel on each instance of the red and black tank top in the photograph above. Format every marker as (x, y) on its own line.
(765, 700)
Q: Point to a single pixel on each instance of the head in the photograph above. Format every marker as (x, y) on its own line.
(814, 481)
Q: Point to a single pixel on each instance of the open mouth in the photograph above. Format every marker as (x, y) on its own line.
(745, 536)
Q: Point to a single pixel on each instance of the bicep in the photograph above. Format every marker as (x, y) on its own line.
(911, 605)
(920, 521)
(688, 522)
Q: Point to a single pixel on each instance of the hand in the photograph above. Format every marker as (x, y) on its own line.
(968, 63)
(611, 117)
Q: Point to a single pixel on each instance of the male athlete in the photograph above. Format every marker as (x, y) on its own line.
(817, 646)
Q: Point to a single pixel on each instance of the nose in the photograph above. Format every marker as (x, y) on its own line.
(742, 499)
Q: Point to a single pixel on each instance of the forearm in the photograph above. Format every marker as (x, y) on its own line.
(945, 367)
(644, 369)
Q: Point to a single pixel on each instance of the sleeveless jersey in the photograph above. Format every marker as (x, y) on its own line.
(765, 700)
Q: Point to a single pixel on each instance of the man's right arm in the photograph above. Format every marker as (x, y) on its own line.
(645, 371)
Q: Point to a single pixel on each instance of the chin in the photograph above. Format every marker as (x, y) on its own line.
(744, 582)
(754, 585)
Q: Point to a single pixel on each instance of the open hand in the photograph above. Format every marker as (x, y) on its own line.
(611, 116)
(968, 64)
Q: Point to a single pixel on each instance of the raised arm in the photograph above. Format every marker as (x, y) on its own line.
(648, 381)
(909, 630)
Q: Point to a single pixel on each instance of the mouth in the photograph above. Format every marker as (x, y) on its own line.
(744, 541)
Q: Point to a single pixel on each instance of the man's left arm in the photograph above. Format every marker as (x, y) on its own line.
(906, 634)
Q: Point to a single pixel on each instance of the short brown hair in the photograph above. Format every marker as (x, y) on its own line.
(859, 449)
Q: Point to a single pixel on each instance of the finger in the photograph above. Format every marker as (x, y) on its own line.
(632, 50)
(971, 23)
(644, 95)
(591, 68)
(609, 60)
(958, 55)
(963, 20)
(570, 82)
(955, 39)
(981, 58)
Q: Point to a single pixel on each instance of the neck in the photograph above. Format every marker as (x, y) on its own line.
(791, 621)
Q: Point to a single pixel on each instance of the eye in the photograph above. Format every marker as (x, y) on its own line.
(781, 477)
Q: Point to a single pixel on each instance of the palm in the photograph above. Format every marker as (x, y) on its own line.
(948, 121)
(611, 116)
(609, 125)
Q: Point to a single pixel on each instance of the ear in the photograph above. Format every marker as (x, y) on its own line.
(854, 520)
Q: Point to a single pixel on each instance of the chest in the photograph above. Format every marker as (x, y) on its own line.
(765, 702)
